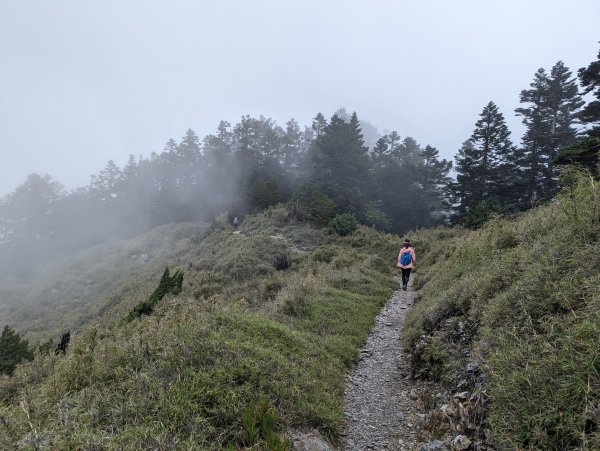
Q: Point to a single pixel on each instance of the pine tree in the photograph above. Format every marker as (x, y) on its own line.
(492, 138)
(536, 143)
(218, 149)
(393, 140)
(564, 103)
(435, 181)
(105, 183)
(28, 213)
(170, 146)
(291, 149)
(188, 161)
(380, 156)
(589, 77)
(550, 117)
(318, 125)
(340, 163)
(13, 350)
(406, 152)
(484, 162)
(467, 190)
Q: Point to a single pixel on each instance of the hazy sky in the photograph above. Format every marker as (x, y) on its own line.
(82, 82)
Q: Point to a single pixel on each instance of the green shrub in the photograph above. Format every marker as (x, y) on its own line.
(167, 285)
(315, 206)
(13, 350)
(343, 224)
(476, 217)
(374, 217)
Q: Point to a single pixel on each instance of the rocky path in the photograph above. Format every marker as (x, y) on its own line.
(383, 404)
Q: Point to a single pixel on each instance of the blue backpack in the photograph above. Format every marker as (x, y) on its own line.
(406, 259)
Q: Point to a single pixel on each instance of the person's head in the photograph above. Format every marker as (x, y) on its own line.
(407, 243)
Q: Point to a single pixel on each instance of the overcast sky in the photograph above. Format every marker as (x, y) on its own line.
(82, 82)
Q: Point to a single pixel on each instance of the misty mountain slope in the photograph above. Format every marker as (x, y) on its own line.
(511, 313)
(72, 290)
(241, 355)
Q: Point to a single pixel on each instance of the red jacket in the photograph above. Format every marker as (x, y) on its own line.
(413, 258)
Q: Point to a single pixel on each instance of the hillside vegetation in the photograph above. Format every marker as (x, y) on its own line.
(72, 290)
(258, 341)
(518, 301)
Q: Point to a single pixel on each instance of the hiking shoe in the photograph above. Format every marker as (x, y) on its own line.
(404, 287)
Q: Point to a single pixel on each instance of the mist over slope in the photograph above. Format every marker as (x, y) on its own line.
(68, 292)
(247, 334)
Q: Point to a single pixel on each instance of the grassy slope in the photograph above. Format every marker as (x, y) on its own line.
(239, 332)
(522, 297)
(71, 291)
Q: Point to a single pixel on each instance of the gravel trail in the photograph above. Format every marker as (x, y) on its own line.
(382, 402)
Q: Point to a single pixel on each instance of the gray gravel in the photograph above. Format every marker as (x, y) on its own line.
(382, 401)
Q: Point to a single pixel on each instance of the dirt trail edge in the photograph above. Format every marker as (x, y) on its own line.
(383, 404)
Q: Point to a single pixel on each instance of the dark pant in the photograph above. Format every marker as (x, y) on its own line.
(405, 275)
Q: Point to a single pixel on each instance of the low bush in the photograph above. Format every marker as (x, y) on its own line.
(343, 224)
(168, 285)
(281, 262)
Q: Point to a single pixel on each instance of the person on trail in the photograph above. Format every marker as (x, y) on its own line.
(406, 261)
(236, 222)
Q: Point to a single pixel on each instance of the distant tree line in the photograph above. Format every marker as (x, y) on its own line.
(323, 169)
(241, 168)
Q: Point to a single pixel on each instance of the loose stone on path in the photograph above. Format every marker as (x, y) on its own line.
(381, 410)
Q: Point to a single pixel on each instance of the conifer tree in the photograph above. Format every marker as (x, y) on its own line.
(13, 350)
(105, 183)
(170, 146)
(589, 77)
(564, 103)
(536, 144)
(435, 181)
(380, 156)
(393, 140)
(218, 149)
(318, 125)
(340, 163)
(291, 149)
(188, 160)
(483, 162)
(467, 190)
(550, 117)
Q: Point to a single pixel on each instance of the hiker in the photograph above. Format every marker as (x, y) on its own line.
(406, 261)
(235, 222)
